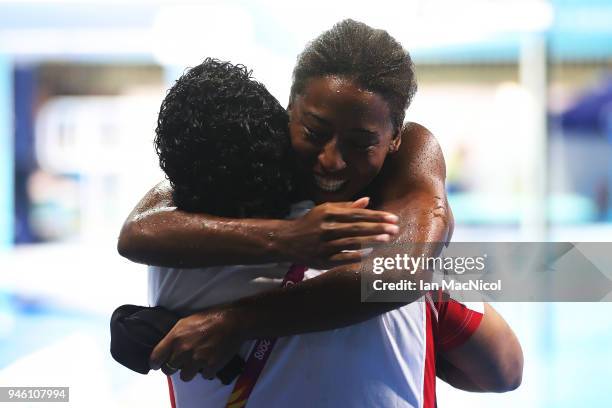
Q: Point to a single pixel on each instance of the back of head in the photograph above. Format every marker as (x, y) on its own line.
(368, 56)
(222, 140)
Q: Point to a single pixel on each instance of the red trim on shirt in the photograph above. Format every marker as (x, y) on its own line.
(171, 390)
(429, 381)
(456, 323)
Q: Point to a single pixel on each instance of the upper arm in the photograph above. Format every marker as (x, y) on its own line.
(456, 322)
(490, 356)
(418, 165)
(412, 184)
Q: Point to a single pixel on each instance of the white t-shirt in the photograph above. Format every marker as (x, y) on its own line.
(387, 361)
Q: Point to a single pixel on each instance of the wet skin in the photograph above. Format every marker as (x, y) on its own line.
(342, 135)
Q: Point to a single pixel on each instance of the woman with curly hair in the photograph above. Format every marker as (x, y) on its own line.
(222, 140)
(346, 124)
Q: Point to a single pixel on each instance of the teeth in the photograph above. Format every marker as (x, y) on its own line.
(328, 184)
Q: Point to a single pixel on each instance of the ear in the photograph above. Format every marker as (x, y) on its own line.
(396, 142)
(290, 109)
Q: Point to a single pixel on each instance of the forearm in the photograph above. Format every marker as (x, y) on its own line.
(455, 377)
(174, 238)
(329, 301)
(157, 233)
(333, 299)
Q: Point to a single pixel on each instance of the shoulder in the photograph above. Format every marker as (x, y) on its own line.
(419, 154)
(414, 128)
(158, 197)
(416, 139)
(417, 167)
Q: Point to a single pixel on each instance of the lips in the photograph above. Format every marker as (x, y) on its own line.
(328, 184)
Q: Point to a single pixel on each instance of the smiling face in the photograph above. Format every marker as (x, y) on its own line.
(342, 135)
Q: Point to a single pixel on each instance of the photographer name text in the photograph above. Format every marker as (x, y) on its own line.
(453, 285)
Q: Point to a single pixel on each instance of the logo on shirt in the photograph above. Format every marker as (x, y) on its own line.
(262, 348)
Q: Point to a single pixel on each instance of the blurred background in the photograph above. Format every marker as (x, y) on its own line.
(519, 94)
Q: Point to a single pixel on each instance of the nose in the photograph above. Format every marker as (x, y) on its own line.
(330, 157)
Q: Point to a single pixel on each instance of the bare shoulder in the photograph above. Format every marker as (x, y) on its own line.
(162, 190)
(158, 197)
(414, 128)
(419, 155)
(418, 140)
(417, 167)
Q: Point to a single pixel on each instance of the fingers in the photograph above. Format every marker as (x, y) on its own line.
(344, 258)
(189, 372)
(362, 215)
(189, 367)
(169, 369)
(350, 250)
(335, 231)
(176, 362)
(353, 211)
(355, 243)
(166, 356)
(360, 203)
(340, 259)
(207, 373)
(363, 202)
(161, 353)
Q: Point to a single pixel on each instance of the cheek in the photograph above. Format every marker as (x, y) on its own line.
(304, 151)
(368, 165)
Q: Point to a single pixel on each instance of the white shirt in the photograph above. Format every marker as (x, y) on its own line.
(387, 361)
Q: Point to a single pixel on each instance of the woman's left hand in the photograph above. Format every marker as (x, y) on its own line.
(203, 342)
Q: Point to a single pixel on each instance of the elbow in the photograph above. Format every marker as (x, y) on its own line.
(509, 375)
(511, 380)
(128, 242)
(123, 243)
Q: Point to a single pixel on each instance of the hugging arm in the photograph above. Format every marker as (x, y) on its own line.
(414, 189)
(415, 192)
(484, 363)
(491, 360)
(157, 233)
(412, 185)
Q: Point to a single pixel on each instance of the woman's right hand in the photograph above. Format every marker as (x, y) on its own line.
(331, 234)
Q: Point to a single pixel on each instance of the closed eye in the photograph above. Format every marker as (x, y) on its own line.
(313, 136)
(364, 144)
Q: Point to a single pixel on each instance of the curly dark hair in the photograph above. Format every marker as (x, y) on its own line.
(368, 56)
(223, 142)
